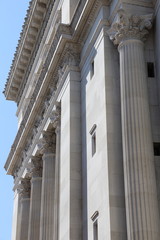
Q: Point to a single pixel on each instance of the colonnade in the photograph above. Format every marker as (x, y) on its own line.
(39, 192)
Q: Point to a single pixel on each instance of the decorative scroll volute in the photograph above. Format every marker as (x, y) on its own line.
(128, 26)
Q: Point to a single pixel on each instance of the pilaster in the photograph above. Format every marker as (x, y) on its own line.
(70, 153)
(55, 119)
(115, 171)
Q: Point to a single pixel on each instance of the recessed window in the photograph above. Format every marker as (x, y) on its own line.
(95, 230)
(95, 225)
(93, 144)
(93, 139)
(92, 68)
(156, 149)
(150, 69)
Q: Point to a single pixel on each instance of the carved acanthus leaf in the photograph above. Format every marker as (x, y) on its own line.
(71, 58)
(129, 26)
(35, 167)
(47, 142)
(24, 188)
(55, 117)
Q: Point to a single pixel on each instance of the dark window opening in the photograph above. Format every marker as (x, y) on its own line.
(92, 68)
(93, 139)
(95, 230)
(93, 143)
(150, 69)
(95, 225)
(156, 149)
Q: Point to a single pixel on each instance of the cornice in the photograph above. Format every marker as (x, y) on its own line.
(35, 50)
(40, 54)
(26, 43)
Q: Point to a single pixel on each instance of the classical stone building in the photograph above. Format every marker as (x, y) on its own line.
(86, 158)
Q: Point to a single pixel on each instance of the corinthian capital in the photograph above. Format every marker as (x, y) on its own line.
(24, 188)
(46, 144)
(71, 57)
(129, 26)
(35, 167)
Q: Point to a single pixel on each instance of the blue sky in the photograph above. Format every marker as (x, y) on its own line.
(11, 20)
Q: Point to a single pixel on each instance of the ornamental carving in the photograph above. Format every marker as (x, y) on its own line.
(71, 58)
(129, 26)
(24, 188)
(35, 167)
(55, 117)
(46, 144)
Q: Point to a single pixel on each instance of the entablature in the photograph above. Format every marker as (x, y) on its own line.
(39, 60)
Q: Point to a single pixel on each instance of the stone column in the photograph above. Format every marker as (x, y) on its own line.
(47, 148)
(35, 201)
(129, 32)
(55, 120)
(24, 189)
(16, 215)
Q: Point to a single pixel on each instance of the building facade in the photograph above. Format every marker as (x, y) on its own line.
(86, 157)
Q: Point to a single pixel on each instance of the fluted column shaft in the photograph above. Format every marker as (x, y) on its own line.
(35, 202)
(25, 204)
(24, 209)
(139, 174)
(16, 216)
(35, 207)
(47, 197)
(57, 173)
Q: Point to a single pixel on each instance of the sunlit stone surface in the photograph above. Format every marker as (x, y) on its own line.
(86, 158)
